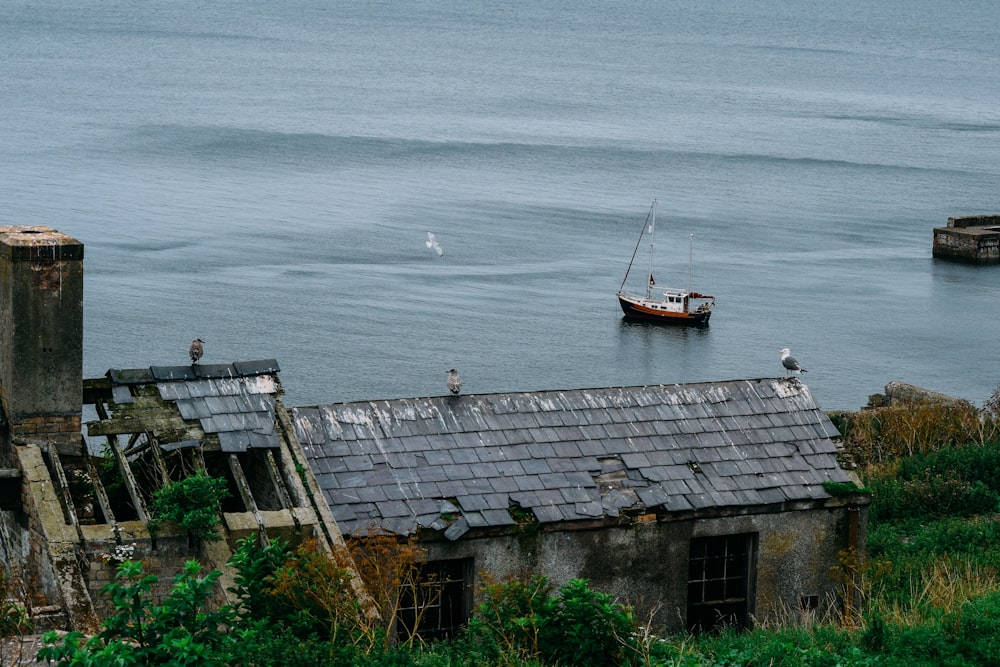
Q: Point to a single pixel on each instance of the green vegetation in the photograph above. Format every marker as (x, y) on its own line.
(13, 615)
(929, 589)
(576, 626)
(192, 503)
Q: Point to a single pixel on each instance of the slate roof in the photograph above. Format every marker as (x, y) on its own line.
(453, 463)
(235, 402)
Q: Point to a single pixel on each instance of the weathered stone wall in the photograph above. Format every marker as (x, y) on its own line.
(646, 564)
(973, 239)
(164, 557)
(974, 221)
(41, 333)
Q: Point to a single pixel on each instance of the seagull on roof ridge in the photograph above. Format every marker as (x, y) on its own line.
(454, 382)
(196, 350)
(789, 362)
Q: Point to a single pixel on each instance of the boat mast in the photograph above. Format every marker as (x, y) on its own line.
(652, 227)
(690, 258)
(635, 251)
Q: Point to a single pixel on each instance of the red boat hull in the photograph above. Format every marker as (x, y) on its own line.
(636, 311)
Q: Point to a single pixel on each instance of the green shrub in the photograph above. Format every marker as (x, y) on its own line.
(511, 614)
(192, 503)
(255, 565)
(953, 481)
(179, 631)
(972, 464)
(576, 626)
(934, 494)
(586, 627)
(264, 643)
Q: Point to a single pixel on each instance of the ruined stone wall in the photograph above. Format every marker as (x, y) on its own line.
(41, 333)
(974, 239)
(646, 564)
(163, 557)
(974, 221)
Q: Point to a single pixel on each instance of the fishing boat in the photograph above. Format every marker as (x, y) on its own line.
(664, 305)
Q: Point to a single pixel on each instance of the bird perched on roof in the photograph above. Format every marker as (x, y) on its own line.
(454, 382)
(432, 243)
(196, 350)
(788, 361)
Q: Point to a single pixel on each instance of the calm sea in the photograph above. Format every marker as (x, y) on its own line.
(263, 174)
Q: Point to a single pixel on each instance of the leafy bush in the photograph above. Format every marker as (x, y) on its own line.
(512, 613)
(953, 481)
(192, 503)
(180, 631)
(932, 494)
(577, 626)
(971, 464)
(255, 565)
(586, 627)
(313, 592)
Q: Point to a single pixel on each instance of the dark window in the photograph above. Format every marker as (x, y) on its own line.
(439, 605)
(719, 582)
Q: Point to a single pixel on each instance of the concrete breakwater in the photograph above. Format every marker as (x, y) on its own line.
(974, 238)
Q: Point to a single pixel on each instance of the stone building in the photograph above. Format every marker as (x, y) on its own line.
(74, 503)
(698, 503)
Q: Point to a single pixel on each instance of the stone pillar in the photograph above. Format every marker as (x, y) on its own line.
(41, 334)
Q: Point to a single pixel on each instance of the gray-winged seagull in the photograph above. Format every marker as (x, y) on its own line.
(454, 382)
(788, 361)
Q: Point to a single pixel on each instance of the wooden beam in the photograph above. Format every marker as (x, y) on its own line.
(63, 485)
(126, 469)
(244, 488)
(158, 457)
(278, 480)
(99, 490)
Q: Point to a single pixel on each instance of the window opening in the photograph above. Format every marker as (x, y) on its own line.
(719, 574)
(438, 605)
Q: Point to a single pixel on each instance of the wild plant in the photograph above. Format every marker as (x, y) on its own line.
(313, 590)
(179, 631)
(890, 433)
(575, 626)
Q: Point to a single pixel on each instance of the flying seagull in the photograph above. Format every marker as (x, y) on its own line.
(454, 382)
(433, 244)
(196, 350)
(788, 361)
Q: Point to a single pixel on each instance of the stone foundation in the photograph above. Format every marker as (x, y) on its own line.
(974, 239)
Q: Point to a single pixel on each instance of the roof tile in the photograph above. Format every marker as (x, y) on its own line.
(755, 442)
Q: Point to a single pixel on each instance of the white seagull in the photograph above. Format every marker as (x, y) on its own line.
(196, 350)
(454, 382)
(788, 361)
(432, 243)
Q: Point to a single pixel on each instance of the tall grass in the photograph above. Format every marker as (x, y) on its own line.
(890, 433)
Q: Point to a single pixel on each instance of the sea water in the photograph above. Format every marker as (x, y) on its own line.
(263, 175)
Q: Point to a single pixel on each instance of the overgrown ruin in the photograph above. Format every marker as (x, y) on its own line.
(710, 502)
(74, 502)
